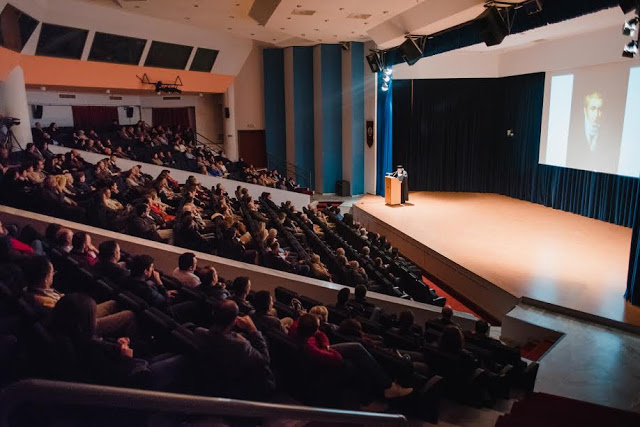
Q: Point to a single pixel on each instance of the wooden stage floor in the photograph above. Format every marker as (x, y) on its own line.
(524, 248)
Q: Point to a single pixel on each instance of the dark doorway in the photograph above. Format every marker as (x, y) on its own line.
(252, 147)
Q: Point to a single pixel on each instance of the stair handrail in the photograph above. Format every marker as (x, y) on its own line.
(47, 391)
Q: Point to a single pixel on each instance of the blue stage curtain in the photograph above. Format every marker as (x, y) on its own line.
(633, 279)
(384, 134)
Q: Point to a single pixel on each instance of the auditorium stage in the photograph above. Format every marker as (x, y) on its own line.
(493, 250)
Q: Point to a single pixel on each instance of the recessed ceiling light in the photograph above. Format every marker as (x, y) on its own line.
(137, 6)
(289, 18)
(232, 17)
(253, 34)
(385, 11)
(274, 39)
(326, 20)
(195, 5)
(315, 29)
(228, 28)
(342, 8)
(282, 28)
(187, 18)
(302, 35)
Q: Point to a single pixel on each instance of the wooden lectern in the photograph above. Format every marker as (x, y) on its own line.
(392, 190)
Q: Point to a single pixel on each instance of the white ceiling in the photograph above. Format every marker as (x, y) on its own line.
(329, 24)
(387, 24)
(608, 18)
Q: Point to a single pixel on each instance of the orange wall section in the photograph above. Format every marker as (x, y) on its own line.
(8, 61)
(47, 71)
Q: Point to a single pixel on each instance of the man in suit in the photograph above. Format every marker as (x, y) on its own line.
(142, 225)
(242, 370)
(403, 177)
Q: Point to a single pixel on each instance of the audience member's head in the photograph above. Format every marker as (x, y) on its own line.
(351, 327)
(307, 325)
(405, 319)
(321, 312)
(142, 266)
(109, 251)
(452, 339)
(80, 242)
(187, 262)
(64, 238)
(366, 251)
(360, 292)
(447, 313)
(142, 209)
(224, 317)
(74, 316)
(39, 273)
(342, 261)
(340, 252)
(241, 287)
(262, 302)
(51, 232)
(343, 296)
(482, 327)
(209, 276)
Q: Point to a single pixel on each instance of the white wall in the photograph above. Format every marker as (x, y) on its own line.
(249, 92)
(56, 109)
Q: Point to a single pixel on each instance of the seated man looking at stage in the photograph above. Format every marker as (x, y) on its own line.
(242, 370)
(264, 316)
(184, 272)
(443, 321)
(108, 264)
(111, 321)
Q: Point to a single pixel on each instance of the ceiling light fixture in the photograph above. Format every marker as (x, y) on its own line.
(160, 87)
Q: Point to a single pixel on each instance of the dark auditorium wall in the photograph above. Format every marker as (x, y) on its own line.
(450, 134)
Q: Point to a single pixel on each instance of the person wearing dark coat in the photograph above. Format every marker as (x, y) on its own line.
(108, 262)
(242, 370)
(141, 225)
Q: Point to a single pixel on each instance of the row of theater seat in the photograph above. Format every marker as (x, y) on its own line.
(465, 383)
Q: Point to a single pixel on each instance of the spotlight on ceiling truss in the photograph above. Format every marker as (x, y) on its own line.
(160, 87)
(631, 49)
(630, 27)
(376, 60)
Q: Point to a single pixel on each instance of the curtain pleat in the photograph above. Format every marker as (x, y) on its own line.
(97, 118)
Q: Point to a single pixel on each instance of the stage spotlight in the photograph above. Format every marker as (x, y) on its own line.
(630, 27)
(374, 61)
(388, 71)
(385, 86)
(631, 49)
(386, 78)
